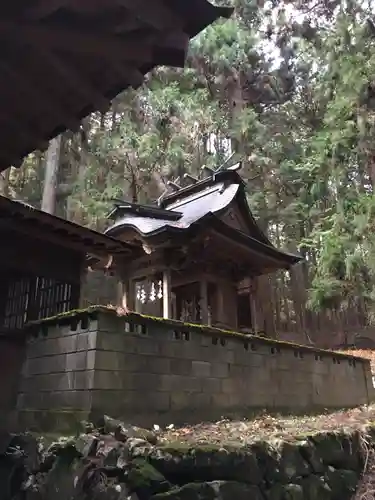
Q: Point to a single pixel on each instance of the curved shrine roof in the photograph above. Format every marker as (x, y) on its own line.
(195, 207)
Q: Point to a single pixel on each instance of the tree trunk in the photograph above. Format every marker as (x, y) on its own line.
(50, 178)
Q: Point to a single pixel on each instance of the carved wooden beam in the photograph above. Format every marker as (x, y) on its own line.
(129, 75)
(31, 89)
(44, 233)
(154, 13)
(129, 49)
(22, 130)
(74, 79)
(45, 8)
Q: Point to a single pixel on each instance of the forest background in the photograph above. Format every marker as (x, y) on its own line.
(289, 88)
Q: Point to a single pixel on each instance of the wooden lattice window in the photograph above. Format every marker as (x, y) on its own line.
(34, 298)
(51, 298)
(17, 303)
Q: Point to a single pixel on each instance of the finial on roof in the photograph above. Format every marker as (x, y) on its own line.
(190, 178)
(162, 196)
(225, 163)
(209, 171)
(235, 167)
(174, 184)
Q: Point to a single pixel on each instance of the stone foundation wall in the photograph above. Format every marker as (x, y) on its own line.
(322, 466)
(156, 371)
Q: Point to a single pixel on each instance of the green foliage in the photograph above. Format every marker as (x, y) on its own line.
(292, 84)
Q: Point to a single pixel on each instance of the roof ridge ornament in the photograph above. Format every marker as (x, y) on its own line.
(175, 185)
(191, 179)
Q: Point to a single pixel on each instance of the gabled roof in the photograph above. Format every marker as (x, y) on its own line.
(63, 59)
(19, 217)
(195, 207)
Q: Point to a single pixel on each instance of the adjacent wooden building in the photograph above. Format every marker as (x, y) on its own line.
(42, 260)
(193, 249)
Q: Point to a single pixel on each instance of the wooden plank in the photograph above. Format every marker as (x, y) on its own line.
(154, 13)
(98, 44)
(167, 295)
(45, 8)
(73, 79)
(47, 235)
(31, 88)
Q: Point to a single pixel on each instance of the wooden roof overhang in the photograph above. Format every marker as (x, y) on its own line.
(32, 224)
(63, 59)
(220, 242)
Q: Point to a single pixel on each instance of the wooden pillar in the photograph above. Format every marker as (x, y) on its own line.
(204, 302)
(167, 294)
(124, 300)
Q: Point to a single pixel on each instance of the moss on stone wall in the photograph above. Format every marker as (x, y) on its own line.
(73, 317)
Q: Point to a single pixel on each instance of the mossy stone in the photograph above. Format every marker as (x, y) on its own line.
(214, 490)
(315, 488)
(285, 492)
(292, 464)
(343, 483)
(183, 464)
(310, 454)
(145, 480)
(338, 449)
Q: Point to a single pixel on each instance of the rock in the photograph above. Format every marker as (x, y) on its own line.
(315, 488)
(183, 464)
(230, 490)
(123, 431)
(343, 483)
(145, 480)
(86, 445)
(285, 492)
(268, 462)
(138, 447)
(340, 450)
(310, 454)
(291, 463)
(214, 490)
(191, 491)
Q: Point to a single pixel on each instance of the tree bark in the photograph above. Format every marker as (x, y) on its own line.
(50, 178)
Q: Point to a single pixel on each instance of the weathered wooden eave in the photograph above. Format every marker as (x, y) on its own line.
(63, 59)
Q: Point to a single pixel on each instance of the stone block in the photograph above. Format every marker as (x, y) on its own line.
(151, 401)
(91, 359)
(202, 401)
(164, 365)
(201, 369)
(109, 360)
(48, 364)
(147, 345)
(76, 361)
(220, 401)
(83, 380)
(211, 385)
(77, 400)
(229, 385)
(181, 401)
(111, 341)
(180, 366)
(205, 340)
(220, 370)
(108, 380)
(146, 381)
(110, 401)
(110, 323)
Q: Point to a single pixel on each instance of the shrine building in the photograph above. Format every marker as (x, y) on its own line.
(192, 249)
